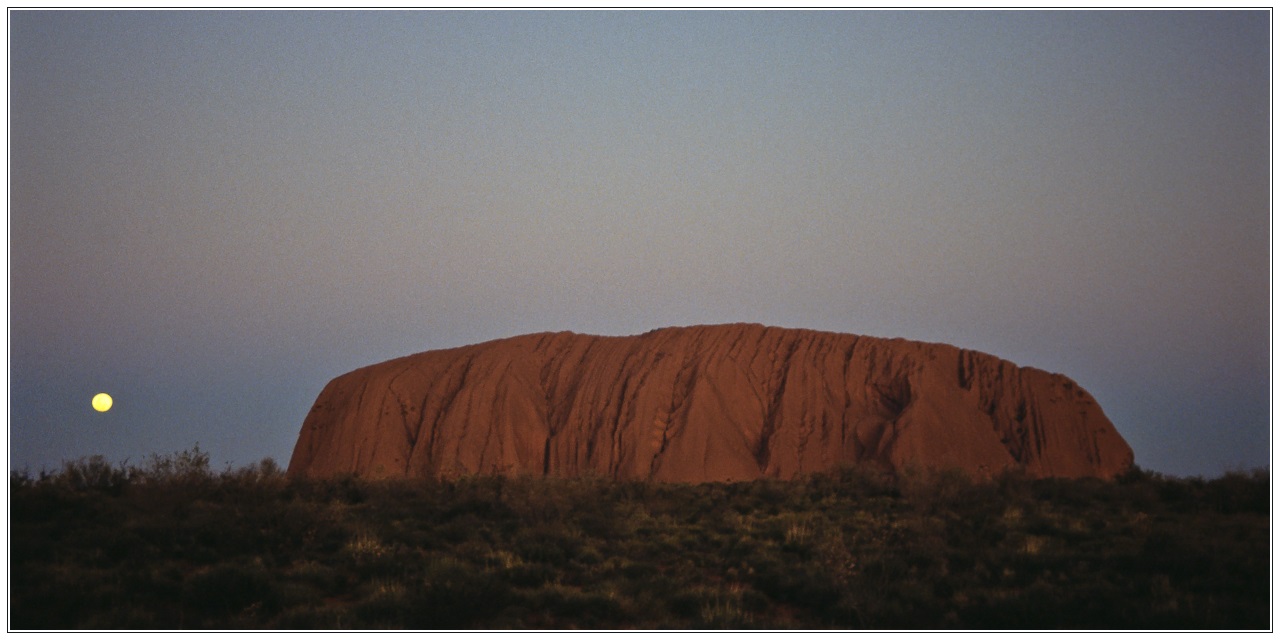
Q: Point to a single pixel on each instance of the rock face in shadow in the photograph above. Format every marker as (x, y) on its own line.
(706, 403)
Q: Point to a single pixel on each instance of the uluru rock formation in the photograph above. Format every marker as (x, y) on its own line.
(706, 403)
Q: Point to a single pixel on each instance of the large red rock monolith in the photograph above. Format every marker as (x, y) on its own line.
(706, 403)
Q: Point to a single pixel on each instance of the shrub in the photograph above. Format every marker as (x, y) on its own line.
(189, 467)
(454, 595)
(93, 474)
(1240, 492)
(229, 588)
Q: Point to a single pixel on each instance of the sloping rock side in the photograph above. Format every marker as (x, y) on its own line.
(706, 403)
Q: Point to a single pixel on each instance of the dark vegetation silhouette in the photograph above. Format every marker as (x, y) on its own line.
(172, 544)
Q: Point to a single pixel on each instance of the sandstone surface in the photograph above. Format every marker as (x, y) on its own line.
(705, 403)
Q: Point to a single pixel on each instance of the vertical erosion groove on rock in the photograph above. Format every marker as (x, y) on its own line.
(707, 403)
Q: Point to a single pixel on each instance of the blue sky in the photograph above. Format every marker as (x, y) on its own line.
(212, 214)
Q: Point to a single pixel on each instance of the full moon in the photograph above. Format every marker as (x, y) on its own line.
(102, 402)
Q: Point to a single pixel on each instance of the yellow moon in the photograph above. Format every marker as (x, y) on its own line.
(102, 402)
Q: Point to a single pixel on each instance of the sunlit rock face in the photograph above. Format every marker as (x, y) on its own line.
(706, 403)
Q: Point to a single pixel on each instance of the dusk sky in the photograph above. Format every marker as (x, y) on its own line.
(212, 214)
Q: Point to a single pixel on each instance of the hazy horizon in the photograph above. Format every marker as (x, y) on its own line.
(214, 213)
